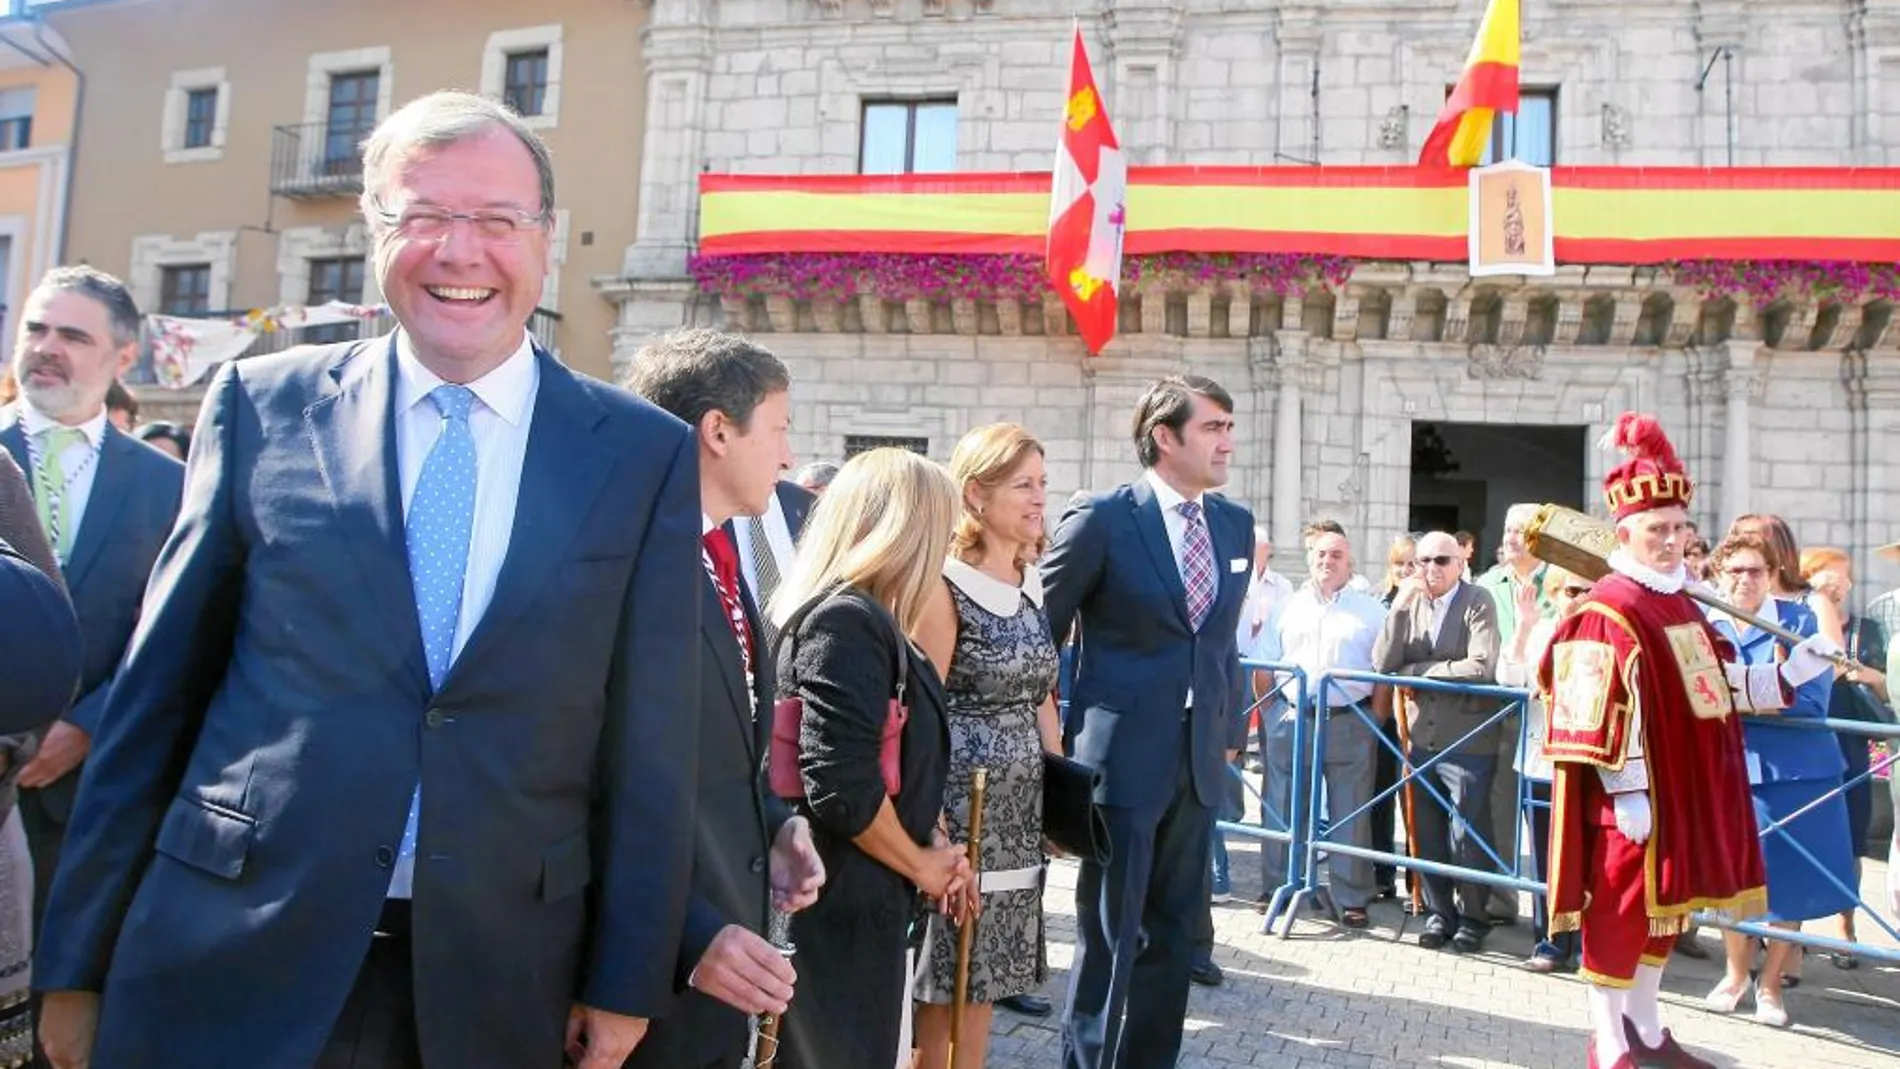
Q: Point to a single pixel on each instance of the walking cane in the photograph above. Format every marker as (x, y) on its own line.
(1400, 698)
(764, 1055)
(966, 933)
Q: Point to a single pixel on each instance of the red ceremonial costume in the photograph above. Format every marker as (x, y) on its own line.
(1638, 701)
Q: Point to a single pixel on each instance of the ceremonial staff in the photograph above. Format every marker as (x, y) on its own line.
(1583, 544)
(764, 1054)
(966, 932)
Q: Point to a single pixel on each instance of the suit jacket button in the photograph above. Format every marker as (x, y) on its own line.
(385, 857)
(433, 718)
(758, 864)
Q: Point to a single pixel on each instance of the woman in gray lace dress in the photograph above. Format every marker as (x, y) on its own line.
(986, 631)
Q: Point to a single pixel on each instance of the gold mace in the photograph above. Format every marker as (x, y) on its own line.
(966, 932)
(1582, 544)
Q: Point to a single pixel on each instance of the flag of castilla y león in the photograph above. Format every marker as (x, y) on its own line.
(1087, 213)
(1487, 86)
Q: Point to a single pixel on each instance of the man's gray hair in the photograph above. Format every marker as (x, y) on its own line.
(693, 371)
(1522, 514)
(817, 475)
(122, 311)
(437, 121)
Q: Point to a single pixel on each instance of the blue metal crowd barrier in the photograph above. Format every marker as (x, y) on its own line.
(1324, 840)
(1292, 824)
(1308, 838)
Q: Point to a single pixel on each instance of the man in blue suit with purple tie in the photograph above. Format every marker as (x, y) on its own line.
(1153, 575)
(399, 768)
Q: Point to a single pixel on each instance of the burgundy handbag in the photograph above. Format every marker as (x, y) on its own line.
(783, 762)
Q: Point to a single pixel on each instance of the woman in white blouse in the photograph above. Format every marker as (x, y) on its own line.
(1517, 667)
(985, 630)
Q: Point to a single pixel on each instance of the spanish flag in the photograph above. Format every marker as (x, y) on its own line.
(1488, 86)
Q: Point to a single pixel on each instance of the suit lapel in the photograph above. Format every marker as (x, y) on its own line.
(560, 477)
(353, 432)
(725, 651)
(13, 436)
(1154, 535)
(112, 483)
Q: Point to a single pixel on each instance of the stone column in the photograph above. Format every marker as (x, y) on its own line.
(1743, 382)
(1287, 438)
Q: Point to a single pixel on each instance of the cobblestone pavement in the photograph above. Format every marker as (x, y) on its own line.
(1371, 1000)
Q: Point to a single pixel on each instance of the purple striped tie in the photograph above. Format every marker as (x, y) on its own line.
(1197, 564)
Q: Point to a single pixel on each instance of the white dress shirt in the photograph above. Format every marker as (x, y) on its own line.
(499, 423)
(79, 459)
(1441, 609)
(1321, 634)
(1265, 593)
(778, 536)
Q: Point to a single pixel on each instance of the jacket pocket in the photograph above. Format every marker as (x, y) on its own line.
(566, 867)
(208, 837)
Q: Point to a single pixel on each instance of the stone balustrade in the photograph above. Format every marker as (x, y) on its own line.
(1615, 307)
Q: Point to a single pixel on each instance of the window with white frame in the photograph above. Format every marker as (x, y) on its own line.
(16, 117)
(184, 276)
(908, 137)
(197, 113)
(522, 68)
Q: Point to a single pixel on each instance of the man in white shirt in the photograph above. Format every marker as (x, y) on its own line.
(1324, 627)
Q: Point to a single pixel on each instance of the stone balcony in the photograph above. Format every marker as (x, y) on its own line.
(1614, 307)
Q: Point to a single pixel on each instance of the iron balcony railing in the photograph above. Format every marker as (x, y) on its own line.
(317, 159)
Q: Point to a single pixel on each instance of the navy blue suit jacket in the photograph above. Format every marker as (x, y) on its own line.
(39, 646)
(232, 846)
(135, 492)
(1111, 572)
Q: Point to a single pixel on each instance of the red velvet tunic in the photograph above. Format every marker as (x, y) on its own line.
(1629, 657)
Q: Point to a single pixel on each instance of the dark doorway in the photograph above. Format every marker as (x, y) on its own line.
(1466, 475)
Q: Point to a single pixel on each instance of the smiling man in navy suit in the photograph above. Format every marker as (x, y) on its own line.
(398, 770)
(1153, 575)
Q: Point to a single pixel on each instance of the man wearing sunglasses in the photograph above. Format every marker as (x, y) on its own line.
(1445, 629)
(1652, 818)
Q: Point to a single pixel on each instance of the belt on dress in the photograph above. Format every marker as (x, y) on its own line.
(1027, 879)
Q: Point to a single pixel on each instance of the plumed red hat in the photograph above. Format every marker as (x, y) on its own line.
(1651, 476)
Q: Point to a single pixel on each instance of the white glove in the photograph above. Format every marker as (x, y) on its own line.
(1810, 660)
(1632, 816)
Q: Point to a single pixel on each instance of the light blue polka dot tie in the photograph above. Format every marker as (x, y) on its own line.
(441, 518)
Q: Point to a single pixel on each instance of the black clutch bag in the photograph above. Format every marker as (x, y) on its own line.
(1070, 818)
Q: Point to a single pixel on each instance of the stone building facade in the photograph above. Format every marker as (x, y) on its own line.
(1346, 399)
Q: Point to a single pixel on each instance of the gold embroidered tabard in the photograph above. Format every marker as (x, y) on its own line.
(1702, 674)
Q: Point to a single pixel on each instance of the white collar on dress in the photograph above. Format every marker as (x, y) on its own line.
(991, 593)
(1660, 582)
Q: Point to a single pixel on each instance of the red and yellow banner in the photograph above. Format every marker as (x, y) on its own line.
(1608, 215)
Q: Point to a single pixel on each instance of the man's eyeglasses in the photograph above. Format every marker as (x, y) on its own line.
(498, 226)
(1739, 572)
(1441, 562)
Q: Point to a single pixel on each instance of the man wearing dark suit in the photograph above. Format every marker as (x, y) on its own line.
(1445, 629)
(751, 854)
(106, 501)
(398, 770)
(1154, 574)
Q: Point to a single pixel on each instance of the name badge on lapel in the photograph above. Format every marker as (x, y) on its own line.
(1237, 565)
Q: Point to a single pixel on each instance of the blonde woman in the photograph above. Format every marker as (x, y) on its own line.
(868, 561)
(985, 627)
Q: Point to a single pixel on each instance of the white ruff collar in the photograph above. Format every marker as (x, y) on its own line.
(993, 594)
(1650, 578)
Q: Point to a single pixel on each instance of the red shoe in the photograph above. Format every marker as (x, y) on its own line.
(1624, 1061)
(1665, 1055)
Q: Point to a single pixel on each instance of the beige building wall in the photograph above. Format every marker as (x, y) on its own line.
(141, 201)
(32, 179)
